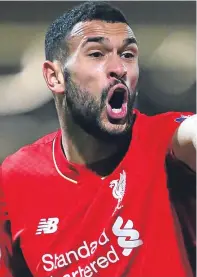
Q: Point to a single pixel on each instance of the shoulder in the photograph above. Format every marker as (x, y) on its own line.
(28, 156)
(155, 132)
(171, 117)
(160, 124)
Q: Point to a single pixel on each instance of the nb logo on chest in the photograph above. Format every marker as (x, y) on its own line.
(47, 226)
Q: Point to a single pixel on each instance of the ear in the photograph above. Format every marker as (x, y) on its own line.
(54, 77)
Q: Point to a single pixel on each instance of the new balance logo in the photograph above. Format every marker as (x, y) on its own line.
(47, 226)
(125, 233)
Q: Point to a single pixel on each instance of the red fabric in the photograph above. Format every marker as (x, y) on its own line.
(5, 240)
(88, 240)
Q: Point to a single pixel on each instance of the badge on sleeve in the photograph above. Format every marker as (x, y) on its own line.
(181, 118)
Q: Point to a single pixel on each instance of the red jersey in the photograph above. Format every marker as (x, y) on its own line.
(69, 222)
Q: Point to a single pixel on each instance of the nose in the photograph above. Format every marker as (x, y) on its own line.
(116, 68)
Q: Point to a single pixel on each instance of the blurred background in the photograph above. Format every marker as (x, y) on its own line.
(166, 32)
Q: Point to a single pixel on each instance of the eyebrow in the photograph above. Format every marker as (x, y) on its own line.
(94, 39)
(126, 41)
(131, 40)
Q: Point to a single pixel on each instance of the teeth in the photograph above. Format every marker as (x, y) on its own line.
(116, 110)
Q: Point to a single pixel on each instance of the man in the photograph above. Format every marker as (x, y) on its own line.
(92, 199)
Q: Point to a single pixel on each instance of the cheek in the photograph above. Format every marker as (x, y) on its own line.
(88, 79)
(92, 76)
(80, 71)
(79, 75)
(133, 76)
(100, 68)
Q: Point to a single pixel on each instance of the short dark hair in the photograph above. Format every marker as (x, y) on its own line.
(55, 43)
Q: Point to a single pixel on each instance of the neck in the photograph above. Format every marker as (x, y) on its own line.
(82, 148)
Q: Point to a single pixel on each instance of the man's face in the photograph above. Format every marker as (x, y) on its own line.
(101, 75)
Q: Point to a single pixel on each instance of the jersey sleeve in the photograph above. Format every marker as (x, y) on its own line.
(181, 181)
(12, 262)
(5, 236)
(175, 167)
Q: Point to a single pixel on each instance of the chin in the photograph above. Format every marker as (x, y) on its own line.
(115, 129)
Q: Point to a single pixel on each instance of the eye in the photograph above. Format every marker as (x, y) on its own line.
(127, 55)
(96, 54)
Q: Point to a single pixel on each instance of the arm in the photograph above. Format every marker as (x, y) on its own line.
(5, 239)
(12, 263)
(184, 142)
(181, 167)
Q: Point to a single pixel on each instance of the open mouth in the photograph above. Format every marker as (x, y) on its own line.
(117, 99)
(117, 102)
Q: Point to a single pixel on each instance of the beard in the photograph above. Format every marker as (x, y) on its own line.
(86, 111)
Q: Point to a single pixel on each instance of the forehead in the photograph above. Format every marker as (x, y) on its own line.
(82, 30)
